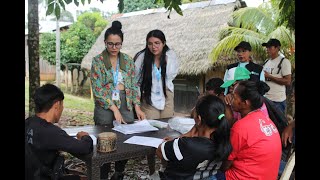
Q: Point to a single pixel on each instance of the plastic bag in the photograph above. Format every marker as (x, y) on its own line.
(181, 124)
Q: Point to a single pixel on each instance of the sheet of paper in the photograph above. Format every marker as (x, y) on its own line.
(72, 134)
(145, 141)
(136, 127)
(94, 138)
(157, 123)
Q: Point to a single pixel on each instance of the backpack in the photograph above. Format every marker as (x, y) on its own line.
(279, 65)
(277, 116)
(288, 87)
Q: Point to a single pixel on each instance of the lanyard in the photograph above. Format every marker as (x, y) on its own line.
(157, 71)
(115, 75)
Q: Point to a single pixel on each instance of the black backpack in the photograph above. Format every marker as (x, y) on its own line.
(279, 65)
(277, 116)
(288, 88)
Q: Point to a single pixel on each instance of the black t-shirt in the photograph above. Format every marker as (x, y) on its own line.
(46, 140)
(189, 158)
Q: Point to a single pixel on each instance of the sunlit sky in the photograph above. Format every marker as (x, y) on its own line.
(111, 6)
(253, 3)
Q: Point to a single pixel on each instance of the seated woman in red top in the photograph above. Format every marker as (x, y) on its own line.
(255, 140)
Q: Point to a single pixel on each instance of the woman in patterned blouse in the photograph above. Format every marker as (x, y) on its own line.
(113, 83)
(114, 88)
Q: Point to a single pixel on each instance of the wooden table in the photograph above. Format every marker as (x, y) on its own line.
(123, 150)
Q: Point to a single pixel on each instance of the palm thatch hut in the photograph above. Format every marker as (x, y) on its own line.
(192, 36)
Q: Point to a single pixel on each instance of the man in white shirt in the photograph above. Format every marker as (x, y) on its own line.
(277, 71)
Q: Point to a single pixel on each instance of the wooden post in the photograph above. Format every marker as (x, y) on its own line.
(91, 93)
(66, 76)
(71, 79)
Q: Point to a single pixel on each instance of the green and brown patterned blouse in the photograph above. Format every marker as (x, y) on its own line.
(102, 80)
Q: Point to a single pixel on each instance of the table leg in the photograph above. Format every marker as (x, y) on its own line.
(93, 171)
(151, 163)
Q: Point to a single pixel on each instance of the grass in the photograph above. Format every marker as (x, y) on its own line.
(77, 109)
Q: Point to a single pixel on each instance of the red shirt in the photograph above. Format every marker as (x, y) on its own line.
(256, 152)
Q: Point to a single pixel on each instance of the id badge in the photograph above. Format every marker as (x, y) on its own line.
(115, 95)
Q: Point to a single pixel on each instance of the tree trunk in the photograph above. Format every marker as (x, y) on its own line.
(33, 50)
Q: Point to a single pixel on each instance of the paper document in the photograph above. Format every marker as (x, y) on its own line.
(157, 123)
(94, 139)
(136, 127)
(145, 141)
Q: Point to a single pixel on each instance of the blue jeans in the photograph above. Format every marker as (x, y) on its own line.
(282, 166)
(219, 176)
(281, 105)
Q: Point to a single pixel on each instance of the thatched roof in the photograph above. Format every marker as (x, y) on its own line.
(192, 36)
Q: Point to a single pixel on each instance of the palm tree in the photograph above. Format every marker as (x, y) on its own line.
(256, 26)
(287, 13)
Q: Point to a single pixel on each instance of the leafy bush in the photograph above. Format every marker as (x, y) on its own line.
(74, 44)
(94, 21)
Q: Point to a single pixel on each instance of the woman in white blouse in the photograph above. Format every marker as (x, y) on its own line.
(156, 66)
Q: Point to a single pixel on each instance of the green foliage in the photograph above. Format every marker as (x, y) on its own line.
(254, 25)
(138, 5)
(94, 21)
(287, 14)
(77, 42)
(248, 17)
(48, 47)
(54, 6)
(74, 44)
(121, 5)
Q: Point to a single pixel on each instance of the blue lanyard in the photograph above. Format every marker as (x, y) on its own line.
(157, 71)
(115, 75)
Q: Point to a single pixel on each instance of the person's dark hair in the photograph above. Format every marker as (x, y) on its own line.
(210, 107)
(248, 90)
(45, 96)
(115, 29)
(148, 62)
(214, 84)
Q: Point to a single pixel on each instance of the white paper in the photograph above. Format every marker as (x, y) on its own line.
(94, 139)
(157, 123)
(136, 127)
(145, 141)
(73, 134)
